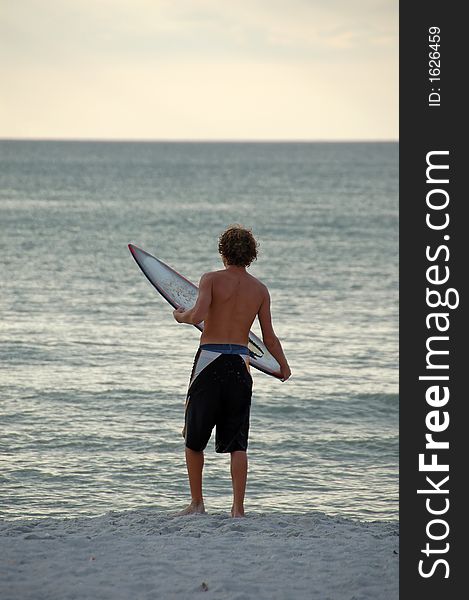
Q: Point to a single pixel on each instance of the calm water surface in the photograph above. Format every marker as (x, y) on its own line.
(93, 369)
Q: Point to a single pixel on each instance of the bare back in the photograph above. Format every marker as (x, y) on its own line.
(236, 299)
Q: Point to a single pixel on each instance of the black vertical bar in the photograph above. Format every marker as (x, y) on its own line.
(432, 119)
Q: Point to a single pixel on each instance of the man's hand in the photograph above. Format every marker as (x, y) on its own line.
(196, 314)
(286, 372)
(178, 314)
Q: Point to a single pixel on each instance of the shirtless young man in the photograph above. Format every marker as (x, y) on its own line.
(220, 386)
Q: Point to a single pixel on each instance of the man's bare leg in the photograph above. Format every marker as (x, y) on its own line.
(239, 472)
(195, 465)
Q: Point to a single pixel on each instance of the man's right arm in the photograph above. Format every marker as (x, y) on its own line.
(269, 338)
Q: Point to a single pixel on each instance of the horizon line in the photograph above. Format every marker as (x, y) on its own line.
(202, 140)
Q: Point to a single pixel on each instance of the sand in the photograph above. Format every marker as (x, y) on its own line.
(148, 554)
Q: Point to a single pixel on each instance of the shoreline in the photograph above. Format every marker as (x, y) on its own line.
(150, 553)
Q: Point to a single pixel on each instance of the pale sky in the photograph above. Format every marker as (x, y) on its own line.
(199, 69)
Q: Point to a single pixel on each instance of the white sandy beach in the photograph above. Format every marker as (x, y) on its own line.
(147, 554)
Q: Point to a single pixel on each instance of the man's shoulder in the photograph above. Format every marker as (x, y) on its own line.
(264, 289)
(207, 278)
(211, 274)
(258, 281)
(259, 287)
(222, 274)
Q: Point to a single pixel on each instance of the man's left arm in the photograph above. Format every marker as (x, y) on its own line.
(199, 311)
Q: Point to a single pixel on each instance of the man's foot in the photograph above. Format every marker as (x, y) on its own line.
(194, 508)
(237, 512)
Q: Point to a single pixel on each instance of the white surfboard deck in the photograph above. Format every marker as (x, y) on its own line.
(180, 292)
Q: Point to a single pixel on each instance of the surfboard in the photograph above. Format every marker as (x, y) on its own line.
(180, 292)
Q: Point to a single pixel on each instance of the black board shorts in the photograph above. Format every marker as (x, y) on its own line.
(219, 395)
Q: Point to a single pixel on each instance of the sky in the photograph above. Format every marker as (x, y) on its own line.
(199, 69)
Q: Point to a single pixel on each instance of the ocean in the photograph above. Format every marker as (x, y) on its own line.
(94, 370)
